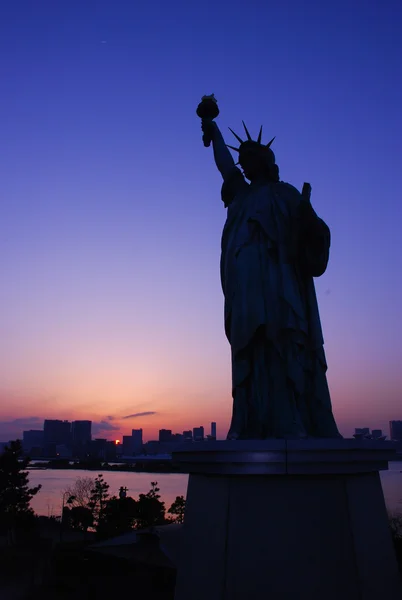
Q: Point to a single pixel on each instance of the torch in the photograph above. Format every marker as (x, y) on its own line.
(207, 110)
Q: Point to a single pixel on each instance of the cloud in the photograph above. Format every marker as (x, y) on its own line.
(110, 418)
(101, 426)
(13, 428)
(25, 421)
(140, 414)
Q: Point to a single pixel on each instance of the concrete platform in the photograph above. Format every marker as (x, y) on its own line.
(286, 519)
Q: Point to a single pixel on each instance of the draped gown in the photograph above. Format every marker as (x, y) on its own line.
(270, 254)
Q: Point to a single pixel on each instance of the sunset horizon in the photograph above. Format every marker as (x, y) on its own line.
(111, 300)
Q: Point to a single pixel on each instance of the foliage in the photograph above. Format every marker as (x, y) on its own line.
(150, 509)
(119, 517)
(80, 518)
(177, 509)
(93, 507)
(98, 500)
(15, 493)
(81, 491)
(154, 491)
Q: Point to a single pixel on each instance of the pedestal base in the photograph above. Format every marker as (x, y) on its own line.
(286, 520)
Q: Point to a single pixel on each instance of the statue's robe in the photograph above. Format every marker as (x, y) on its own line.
(270, 254)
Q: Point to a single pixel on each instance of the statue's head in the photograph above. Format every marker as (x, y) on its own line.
(256, 159)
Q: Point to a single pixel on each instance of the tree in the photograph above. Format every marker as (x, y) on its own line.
(81, 491)
(177, 509)
(98, 500)
(150, 509)
(119, 516)
(80, 518)
(15, 493)
(154, 491)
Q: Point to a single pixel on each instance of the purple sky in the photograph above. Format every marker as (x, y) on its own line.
(110, 301)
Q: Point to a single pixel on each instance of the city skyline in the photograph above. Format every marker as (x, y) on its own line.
(156, 434)
(81, 427)
(60, 439)
(111, 306)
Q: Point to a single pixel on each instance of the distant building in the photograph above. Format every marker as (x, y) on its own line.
(362, 431)
(165, 435)
(127, 445)
(32, 442)
(376, 434)
(118, 449)
(156, 447)
(102, 449)
(63, 451)
(98, 448)
(81, 433)
(198, 434)
(136, 435)
(132, 444)
(112, 451)
(56, 433)
(187, 436)
(213, 430)
(395, 431)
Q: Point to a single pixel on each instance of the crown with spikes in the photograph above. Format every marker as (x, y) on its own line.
(249, 139)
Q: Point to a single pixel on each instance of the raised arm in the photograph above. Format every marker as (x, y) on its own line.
(223, 159)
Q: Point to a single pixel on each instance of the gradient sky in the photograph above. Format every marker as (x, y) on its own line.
(110, 301)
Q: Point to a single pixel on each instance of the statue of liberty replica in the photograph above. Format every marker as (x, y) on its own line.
(273, 245)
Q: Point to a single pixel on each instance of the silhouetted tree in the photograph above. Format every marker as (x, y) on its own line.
(15, 493)
(81, 491)
(177, 509)
(119, 516)
(80, 518)
(154, 491)
(98, 500)
(150, 509)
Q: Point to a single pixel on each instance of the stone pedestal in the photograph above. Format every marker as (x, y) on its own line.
(277, 519)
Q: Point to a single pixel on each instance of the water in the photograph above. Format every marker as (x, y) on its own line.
(48, 501)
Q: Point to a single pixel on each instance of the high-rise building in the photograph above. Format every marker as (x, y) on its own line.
(33, 440)
(136, 435)
(81, 437)
(111, 450)
(81, 431)
(395, 430)
(198, 434)
(213, 430)
(165, 435)
(127, 445)
(187, 435)
(99, 448)
(56, 433)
